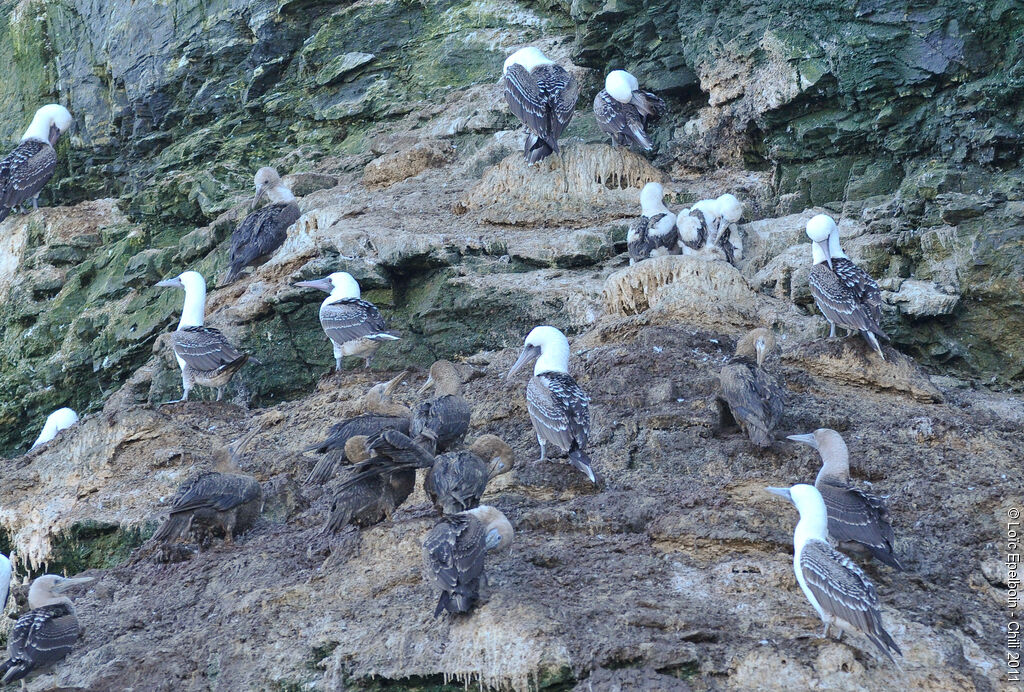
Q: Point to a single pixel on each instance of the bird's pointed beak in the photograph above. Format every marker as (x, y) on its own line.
(65, 584)
(493, 539)
(324, 285)
(393, 383)
(529, 354)
(426, 385)
(260, 192)
(761, 350)
(823, 244)
(171, 283)
(54, 134)
(807, 439)
(781, 492)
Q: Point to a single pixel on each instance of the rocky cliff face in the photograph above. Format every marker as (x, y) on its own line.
(903, 121)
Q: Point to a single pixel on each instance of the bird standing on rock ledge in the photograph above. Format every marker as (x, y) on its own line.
(27, 169)
(264, 230)
(559, 408)
(622, 109)
(543, 96)
(204, 354)
(354, 326)
(750, 392)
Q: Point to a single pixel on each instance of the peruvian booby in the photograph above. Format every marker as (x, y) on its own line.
(369, 496)
(543, 96)
(457, 480)
(47, 633)
(203, 353)
(442, 421)
(381, 414)
(836, 587)
(264, 230)
(559, 408)
(454, 551)
(853, 276)
(224, 500)
(709, 227)
(5, 582)
(61, 419)
(841, 304)
(622, 109)
(750, 391)
(857, 521)
(654, 233)
(354, 326)
(27, 169)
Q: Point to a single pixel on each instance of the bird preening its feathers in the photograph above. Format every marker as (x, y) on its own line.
(543, 96)
(623, 110)
(27, 169)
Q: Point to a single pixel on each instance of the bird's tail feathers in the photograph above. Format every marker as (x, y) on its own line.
(172, 529)
(442, 603)
(582, 462)
(636, 130)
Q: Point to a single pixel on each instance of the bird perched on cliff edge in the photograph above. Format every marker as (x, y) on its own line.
(835, 586)
(559, 408)
(376, 485)
(709, 229)
(857, 521)
(203, 353)
(454, 551)
(354, 326)
(841, 304)
(543, 96)
(380, 414)
(61, 419)
(264, 230)
(654, 233)
(750, 392)
(441, 422)
(27, 169)
(47, 633)
(622, 109)
(5, 582)
(853, 276)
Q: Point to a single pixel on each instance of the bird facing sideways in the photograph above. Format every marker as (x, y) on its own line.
(25, 171)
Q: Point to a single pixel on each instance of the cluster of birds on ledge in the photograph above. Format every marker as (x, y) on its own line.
(381, 449)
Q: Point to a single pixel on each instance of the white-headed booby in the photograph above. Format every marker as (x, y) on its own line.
(263, 230)
(857, 521)
(5, 582)
(559, 408)
(27, 169)
(654, 233)
(622, 109)
(751, 393)
(454, 551)
(853, 276)
(354, 326)
(543, 96)
(203, 353)
(47, 633)
(710, 227)
(841, 304)
(61, 419)
(835, 586)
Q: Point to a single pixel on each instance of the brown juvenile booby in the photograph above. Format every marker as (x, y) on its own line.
(263, 230)
(543, 96)
(381, 414)
(5, 582)
(61, 419)
(227, 501)
(354, 326)
(441, 422)
(368, 496)
(457, 480)
(27, 169)
(204, 354)
(558, 406)
(857, 521)
(835, 586)
(654, 233)
(751, 393)
(453, 554)
(841, 304)
(47, 633)
(622, 109)
(853, 276)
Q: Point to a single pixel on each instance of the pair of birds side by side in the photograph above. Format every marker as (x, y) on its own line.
(706, 230)
(543, 95)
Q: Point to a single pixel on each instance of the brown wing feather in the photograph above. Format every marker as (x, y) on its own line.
(854, 515)
(754, 399)
(204, 348)
(40, 638)
(559, 409)
(350, 319)
(839, 303)
(24, 172)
